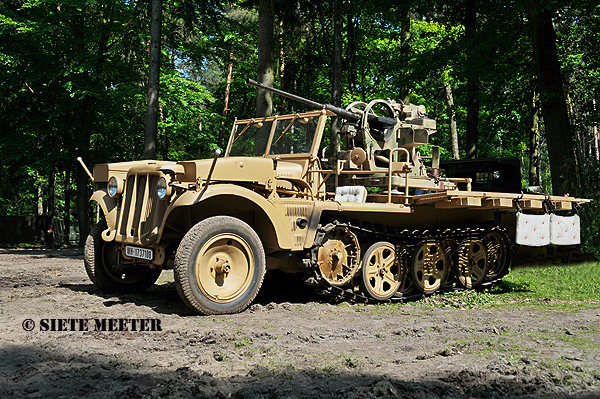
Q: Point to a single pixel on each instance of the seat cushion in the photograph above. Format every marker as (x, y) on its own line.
(565, 230)
(351, 194)
(533, 230)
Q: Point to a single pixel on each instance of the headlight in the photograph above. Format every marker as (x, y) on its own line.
(163, 190)
(114, 187)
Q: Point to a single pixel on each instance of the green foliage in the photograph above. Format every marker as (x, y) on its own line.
(558, 287)
(574, 283)
(467, 299)
(187, 124)
(73, 70)
(78, 69)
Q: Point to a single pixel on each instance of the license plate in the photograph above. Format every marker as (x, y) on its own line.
(140, 253)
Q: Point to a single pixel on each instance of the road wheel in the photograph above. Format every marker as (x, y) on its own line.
(109, 270)
(429, 266)
(498, 253)
(219, 266)
(471, 263)
(406, 287)
(381, 272)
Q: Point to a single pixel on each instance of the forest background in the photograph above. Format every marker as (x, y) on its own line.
(503, 78)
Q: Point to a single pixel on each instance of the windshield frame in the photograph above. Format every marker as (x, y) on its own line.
(320, 115)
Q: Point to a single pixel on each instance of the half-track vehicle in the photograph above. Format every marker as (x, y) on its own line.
(374, 222)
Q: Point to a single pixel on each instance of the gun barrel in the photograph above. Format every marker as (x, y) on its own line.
(291, 96)
(351, 116)
(336, 110)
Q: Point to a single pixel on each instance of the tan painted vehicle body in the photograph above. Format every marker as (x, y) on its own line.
(310, 214)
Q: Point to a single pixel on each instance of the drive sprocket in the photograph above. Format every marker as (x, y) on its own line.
(338, 256)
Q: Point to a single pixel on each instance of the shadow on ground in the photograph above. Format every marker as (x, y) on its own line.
(26, 371)
(163, 298)
(73, 253)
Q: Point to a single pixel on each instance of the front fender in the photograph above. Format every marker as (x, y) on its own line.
(109, 208)
(274, 214)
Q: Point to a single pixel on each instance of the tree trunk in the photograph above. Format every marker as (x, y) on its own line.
(83, 214)
(580, 139)
(336, 93)
(67, 211)
(264, 99)
(405, 51)
(221, 140)
(452, 114)
(163, 133)
(559, 134)
(282, 77)
(40, 195)
(472, 125)
(83, 193)
(281, 54)
(51, 206)
(535, 160)
(595, 133)
(351, 50)
(153, 82)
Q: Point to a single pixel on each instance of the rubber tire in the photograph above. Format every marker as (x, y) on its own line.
(96, 271)
(185, 265)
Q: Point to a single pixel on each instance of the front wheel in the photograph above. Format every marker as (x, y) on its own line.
(109, 271)
(219, 266)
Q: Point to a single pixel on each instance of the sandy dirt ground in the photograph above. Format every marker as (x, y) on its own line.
(286, 345)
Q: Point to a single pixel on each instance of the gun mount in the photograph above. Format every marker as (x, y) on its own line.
(368, 137)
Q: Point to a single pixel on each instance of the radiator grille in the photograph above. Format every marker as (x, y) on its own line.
(139, 208)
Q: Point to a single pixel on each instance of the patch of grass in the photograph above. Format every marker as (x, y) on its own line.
(556, 287)
(578, 284)
(274, 368)
(511, 348)
(460, 299)
(220, 319)
(508, 345)
(578, 342)
(267, 326)
(243, 343)
(349, 361)
(339, 361)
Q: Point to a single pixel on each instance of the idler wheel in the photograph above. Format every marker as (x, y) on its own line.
(429, 266)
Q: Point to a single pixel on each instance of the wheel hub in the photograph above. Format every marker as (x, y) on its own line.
(222, 266)
(225, 265)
